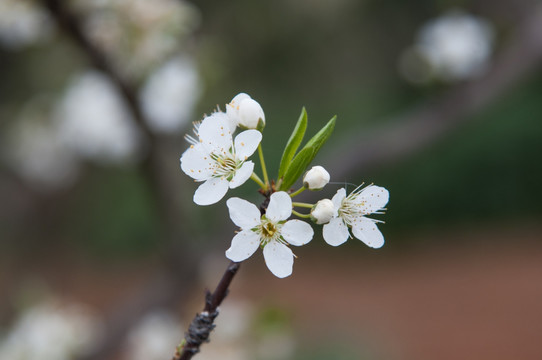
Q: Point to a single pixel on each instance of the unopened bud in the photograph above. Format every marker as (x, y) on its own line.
(323, 211)
(246, 112)
(316, 178)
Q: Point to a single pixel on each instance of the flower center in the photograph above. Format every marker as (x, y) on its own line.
(269, 229)
(225, 165)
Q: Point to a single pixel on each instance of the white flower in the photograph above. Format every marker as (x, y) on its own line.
(245, 112)
(170, 94)
(323, 211)
(269, 231)
(350, 211)
(217, 160)
(316, 178)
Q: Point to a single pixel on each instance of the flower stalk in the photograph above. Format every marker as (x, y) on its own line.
(264, 169)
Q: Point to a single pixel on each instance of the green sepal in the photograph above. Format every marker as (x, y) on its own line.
(306, 155)
(293, 143)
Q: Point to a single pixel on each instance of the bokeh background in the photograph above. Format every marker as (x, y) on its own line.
(103, 254)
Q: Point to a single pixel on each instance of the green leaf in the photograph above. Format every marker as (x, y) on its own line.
(297, 167)
(321, 137)
(293, 143)
(306, 155)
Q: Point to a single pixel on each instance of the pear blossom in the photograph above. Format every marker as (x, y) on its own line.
(323, 211)
(316, 178)
(218, 160)
(350, 211)
(245, 112)
(270, 231)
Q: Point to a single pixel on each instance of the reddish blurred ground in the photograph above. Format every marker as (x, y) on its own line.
(477, 297)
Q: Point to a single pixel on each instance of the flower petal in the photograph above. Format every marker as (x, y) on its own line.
(196, 163)
(215, 134)
(242, 175)
(243, 213)
(338, 199)
(367, 231)
(246, 143)
(297, 232)
(280, 206)
(278, 258)
(335, 232)
(372, 198)
(243, 245)
(211, 191)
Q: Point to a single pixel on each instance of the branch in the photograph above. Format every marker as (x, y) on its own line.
(202, 325)
(423, 126)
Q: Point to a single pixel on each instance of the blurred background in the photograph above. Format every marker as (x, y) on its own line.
(103, 254)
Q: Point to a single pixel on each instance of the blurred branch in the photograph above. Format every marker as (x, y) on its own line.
(423, 126)
(167, 288)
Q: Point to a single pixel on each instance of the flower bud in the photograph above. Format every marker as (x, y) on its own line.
(323, 211)
(246, 112)
(316, 178)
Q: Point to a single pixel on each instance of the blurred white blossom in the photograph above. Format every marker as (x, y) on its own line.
(170, 95)
(154, 337)
(34, 150)
(453, 47)
(94, 122)
(23, 23)
(138, 35)
(51, 331)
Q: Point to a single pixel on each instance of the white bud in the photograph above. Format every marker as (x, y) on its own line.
(323, 211)
(316, 178)
(251, 115)
(245, 112)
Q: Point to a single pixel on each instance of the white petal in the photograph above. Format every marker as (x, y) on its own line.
(243, 245)
(372, 198)
(338, 199)
(196, 163)
(242, 175)
(215, 134)
(243, 213)
(280, 206)
(297, 232)
(278, 258)
(335, 232)
(211, 191)
(246, 143)
(367, 231)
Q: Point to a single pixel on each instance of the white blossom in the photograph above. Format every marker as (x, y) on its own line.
(152, 337)
(323, 211)
(52, 331)
(245, 112)
(94, 121)
(316, 178)
(23, 23)
(218, 160)
(170, 94)
(270, 231)
(453, 47)
(350, 211)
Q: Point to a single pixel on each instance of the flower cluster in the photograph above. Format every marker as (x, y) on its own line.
(221, 161)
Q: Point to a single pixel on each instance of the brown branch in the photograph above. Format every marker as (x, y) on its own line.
(203, 323)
